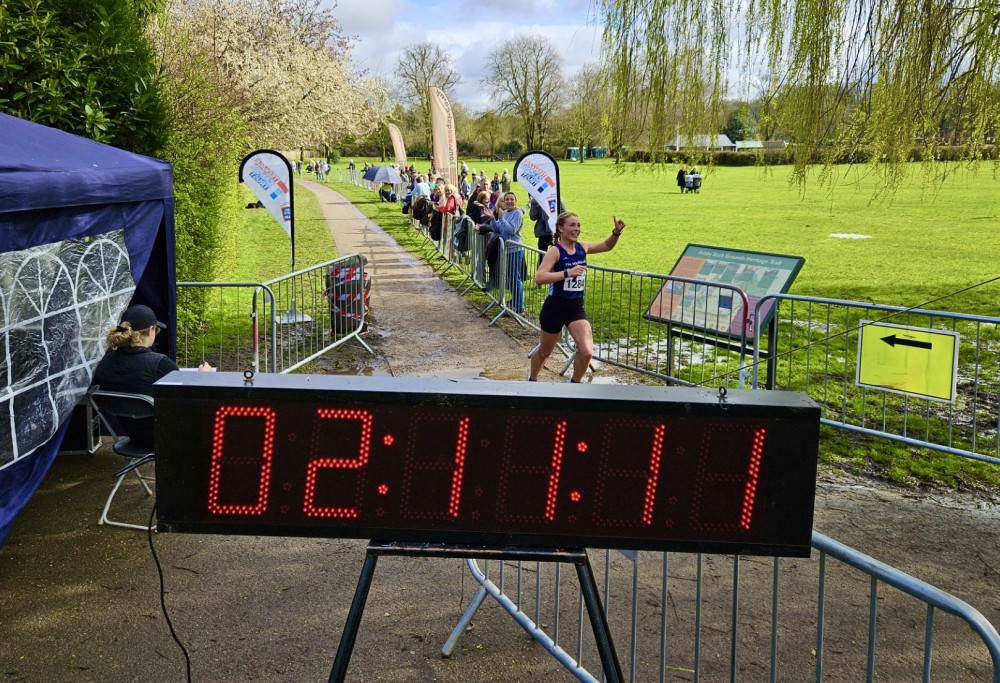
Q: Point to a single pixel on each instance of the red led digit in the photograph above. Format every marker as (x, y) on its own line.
(753, 472)
(522, 469)
(423, 483)
(554, 470)
(356, 463)
(734, 490)
(247, 473)
(456, 476)
(654, 475)
(625, 441)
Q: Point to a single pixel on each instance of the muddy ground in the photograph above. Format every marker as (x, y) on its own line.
(79, 602)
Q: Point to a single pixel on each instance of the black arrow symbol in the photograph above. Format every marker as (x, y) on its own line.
(892, 340)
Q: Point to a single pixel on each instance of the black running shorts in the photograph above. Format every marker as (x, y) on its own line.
(558, 311)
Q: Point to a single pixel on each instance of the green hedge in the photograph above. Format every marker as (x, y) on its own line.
(785, 156)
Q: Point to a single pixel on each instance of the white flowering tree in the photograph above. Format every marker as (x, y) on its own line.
(282, 65)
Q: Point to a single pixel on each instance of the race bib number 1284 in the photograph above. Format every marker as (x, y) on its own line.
(575, 284)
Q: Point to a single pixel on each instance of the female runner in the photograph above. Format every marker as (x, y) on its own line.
(564, 269)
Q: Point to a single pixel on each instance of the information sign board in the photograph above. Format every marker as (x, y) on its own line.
(719, 310)
(909, 360)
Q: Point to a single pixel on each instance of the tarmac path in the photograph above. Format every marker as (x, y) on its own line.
(422, 326)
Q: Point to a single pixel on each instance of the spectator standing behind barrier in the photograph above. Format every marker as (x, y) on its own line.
(421, 188)
(478, 188)
(446, 203)
(505, 182)
(495, 183)
(474, 211)
(681, 175)
(131, 366)
(564, 269)
(506, 221)
(537, 213)
(475, 207)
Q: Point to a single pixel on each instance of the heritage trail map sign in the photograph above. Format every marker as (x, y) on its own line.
(719, 309)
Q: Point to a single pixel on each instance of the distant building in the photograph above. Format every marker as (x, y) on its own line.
(748, 144)
(720, 141)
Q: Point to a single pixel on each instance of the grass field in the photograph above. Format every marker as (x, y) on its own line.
(260, 249)
(925, 241)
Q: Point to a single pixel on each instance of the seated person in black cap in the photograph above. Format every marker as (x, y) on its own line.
(131, 366)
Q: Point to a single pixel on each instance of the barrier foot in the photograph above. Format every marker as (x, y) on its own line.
(292, 316)
(569, 362)
(362, 342)
(463, 623)
(503, 311)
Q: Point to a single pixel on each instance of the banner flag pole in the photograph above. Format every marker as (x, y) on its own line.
(268, 174)
(538, 173)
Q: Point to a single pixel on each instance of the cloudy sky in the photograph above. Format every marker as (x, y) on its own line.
(468, 31)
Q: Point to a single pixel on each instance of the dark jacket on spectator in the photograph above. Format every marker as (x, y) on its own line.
(541, 218)
(133, 370)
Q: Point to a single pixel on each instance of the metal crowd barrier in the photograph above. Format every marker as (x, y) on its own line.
(661, 344)
(813, 347)
(664, 614)
(213, 325)
(293, 319)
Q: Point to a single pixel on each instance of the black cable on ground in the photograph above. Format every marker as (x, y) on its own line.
(163, 603)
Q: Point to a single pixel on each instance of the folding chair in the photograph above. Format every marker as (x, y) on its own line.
(111, 404)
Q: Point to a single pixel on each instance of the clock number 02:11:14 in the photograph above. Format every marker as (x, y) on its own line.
(226, 414)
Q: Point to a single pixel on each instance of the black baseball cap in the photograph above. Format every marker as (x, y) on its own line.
(141, 317)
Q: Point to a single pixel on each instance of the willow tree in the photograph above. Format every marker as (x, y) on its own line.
(881, 80)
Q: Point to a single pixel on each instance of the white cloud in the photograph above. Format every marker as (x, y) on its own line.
(368, 17)
(468, 32)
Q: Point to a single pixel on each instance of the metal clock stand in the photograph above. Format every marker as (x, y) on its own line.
(578, 556)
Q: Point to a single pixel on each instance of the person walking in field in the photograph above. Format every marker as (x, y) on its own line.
(681, 175)
(564, 269)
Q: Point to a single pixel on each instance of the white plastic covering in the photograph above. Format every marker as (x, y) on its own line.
(57, 302)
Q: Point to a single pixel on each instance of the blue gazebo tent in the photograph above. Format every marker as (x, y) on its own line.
(85, 229)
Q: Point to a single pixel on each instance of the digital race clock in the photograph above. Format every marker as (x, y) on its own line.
(487, 463)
